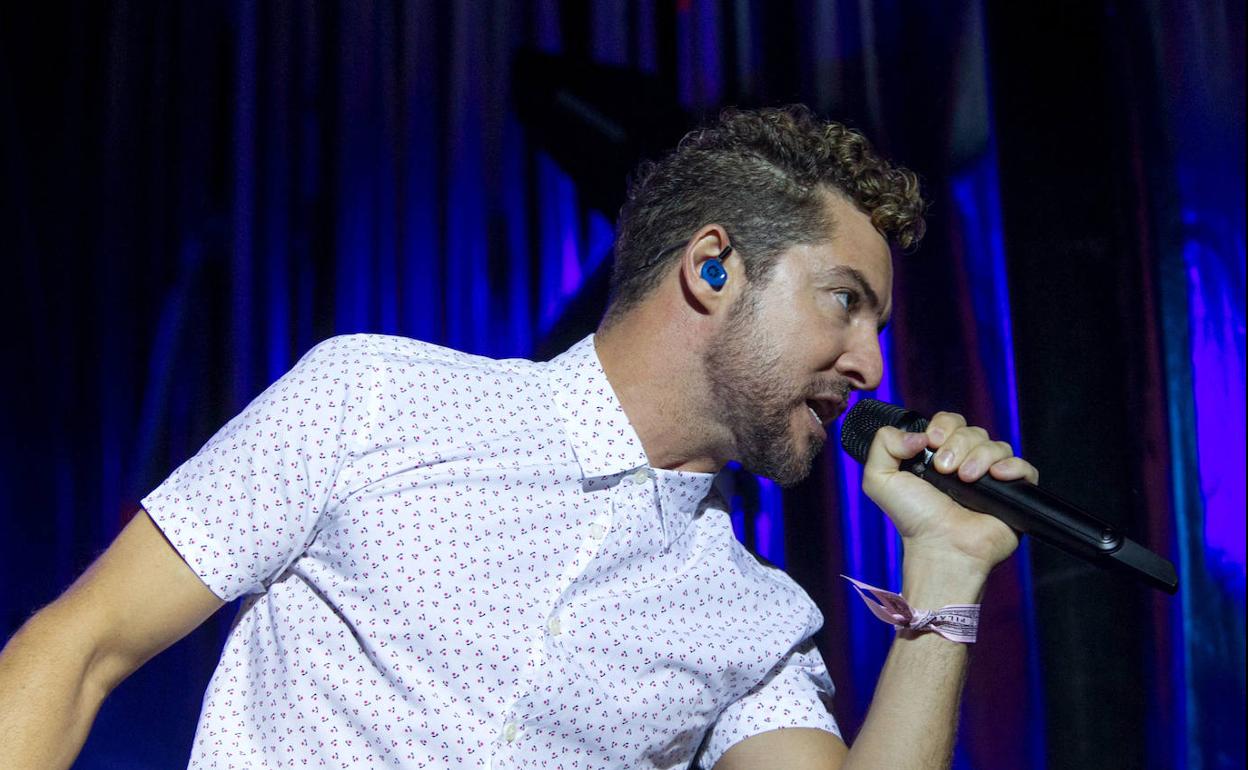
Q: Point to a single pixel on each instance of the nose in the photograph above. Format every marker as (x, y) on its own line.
(862, 361)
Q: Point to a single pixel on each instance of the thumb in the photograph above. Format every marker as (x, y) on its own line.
(888, 449)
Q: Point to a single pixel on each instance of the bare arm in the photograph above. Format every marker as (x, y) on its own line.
(138, 598)
(949, 552)
(911, 723)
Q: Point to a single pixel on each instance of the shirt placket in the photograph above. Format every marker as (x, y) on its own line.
(632, 494)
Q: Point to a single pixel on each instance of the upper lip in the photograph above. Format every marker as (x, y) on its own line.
(826, 407)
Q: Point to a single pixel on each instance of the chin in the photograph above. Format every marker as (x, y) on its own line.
(791, 467)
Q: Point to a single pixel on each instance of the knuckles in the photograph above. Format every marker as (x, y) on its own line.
(963, 439)
(953, 419)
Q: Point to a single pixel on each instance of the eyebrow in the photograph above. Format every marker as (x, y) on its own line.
(843, 272)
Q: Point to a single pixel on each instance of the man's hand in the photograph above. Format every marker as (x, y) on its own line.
(933, 527)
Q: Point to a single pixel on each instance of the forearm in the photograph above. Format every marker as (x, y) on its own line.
(48, 698)
(913, 717)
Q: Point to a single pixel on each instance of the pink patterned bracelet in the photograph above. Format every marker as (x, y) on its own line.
(955, 622)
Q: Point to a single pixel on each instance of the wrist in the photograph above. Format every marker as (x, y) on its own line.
(935, 582)
(955, 622)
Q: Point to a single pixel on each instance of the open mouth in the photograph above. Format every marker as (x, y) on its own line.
(824, 410)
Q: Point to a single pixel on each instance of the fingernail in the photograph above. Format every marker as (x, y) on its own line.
(971, 469)
(937, 435)
(945, 458)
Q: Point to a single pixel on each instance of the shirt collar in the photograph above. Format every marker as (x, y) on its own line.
(604, 441)
(601, 436)
(681, 496)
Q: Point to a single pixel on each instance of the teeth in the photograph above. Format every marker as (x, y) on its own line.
(816, 414)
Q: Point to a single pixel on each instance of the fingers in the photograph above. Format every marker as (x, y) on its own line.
(968, 451)
(1012, 468)
(942, 426)
(958, 448)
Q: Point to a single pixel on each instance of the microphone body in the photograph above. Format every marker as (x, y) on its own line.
(1022, 505)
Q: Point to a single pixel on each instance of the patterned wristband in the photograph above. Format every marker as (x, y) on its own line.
(955, 622)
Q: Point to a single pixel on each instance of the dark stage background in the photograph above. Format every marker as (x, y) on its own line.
(195, 193)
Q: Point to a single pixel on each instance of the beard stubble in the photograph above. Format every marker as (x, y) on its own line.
(756, 398)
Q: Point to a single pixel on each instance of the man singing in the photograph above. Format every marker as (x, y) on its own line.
(450, 561)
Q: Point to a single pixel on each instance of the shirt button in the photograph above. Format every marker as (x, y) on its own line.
(640, 476)
(555, 626)
(509, 731)
(597, 531)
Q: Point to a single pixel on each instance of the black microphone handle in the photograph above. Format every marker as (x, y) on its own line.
(1052, 520)
(1024, 506)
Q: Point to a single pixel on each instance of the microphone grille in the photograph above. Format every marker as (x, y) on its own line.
(868, 416)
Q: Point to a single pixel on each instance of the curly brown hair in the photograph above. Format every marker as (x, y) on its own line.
(762, 175)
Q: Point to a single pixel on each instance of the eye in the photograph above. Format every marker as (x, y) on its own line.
(845, 298)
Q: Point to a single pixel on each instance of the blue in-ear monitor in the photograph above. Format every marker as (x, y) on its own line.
(713, 272)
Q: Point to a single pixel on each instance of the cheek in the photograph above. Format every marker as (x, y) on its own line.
(808, 352)
(796, 335)
(799, 359)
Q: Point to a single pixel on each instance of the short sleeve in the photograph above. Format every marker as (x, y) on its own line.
(249, 502)
(796, 693)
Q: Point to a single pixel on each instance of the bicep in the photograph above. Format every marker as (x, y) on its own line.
(797, 748)
(138, 598)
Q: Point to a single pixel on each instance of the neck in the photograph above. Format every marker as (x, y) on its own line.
(654, 366)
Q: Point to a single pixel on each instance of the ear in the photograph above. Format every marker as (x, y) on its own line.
(708, 243)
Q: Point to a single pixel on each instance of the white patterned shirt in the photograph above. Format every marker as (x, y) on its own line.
(452, 562)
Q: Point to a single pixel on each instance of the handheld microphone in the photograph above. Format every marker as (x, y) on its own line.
(1021, 504)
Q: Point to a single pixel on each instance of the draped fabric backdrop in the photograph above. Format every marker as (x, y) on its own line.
(193, 194)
